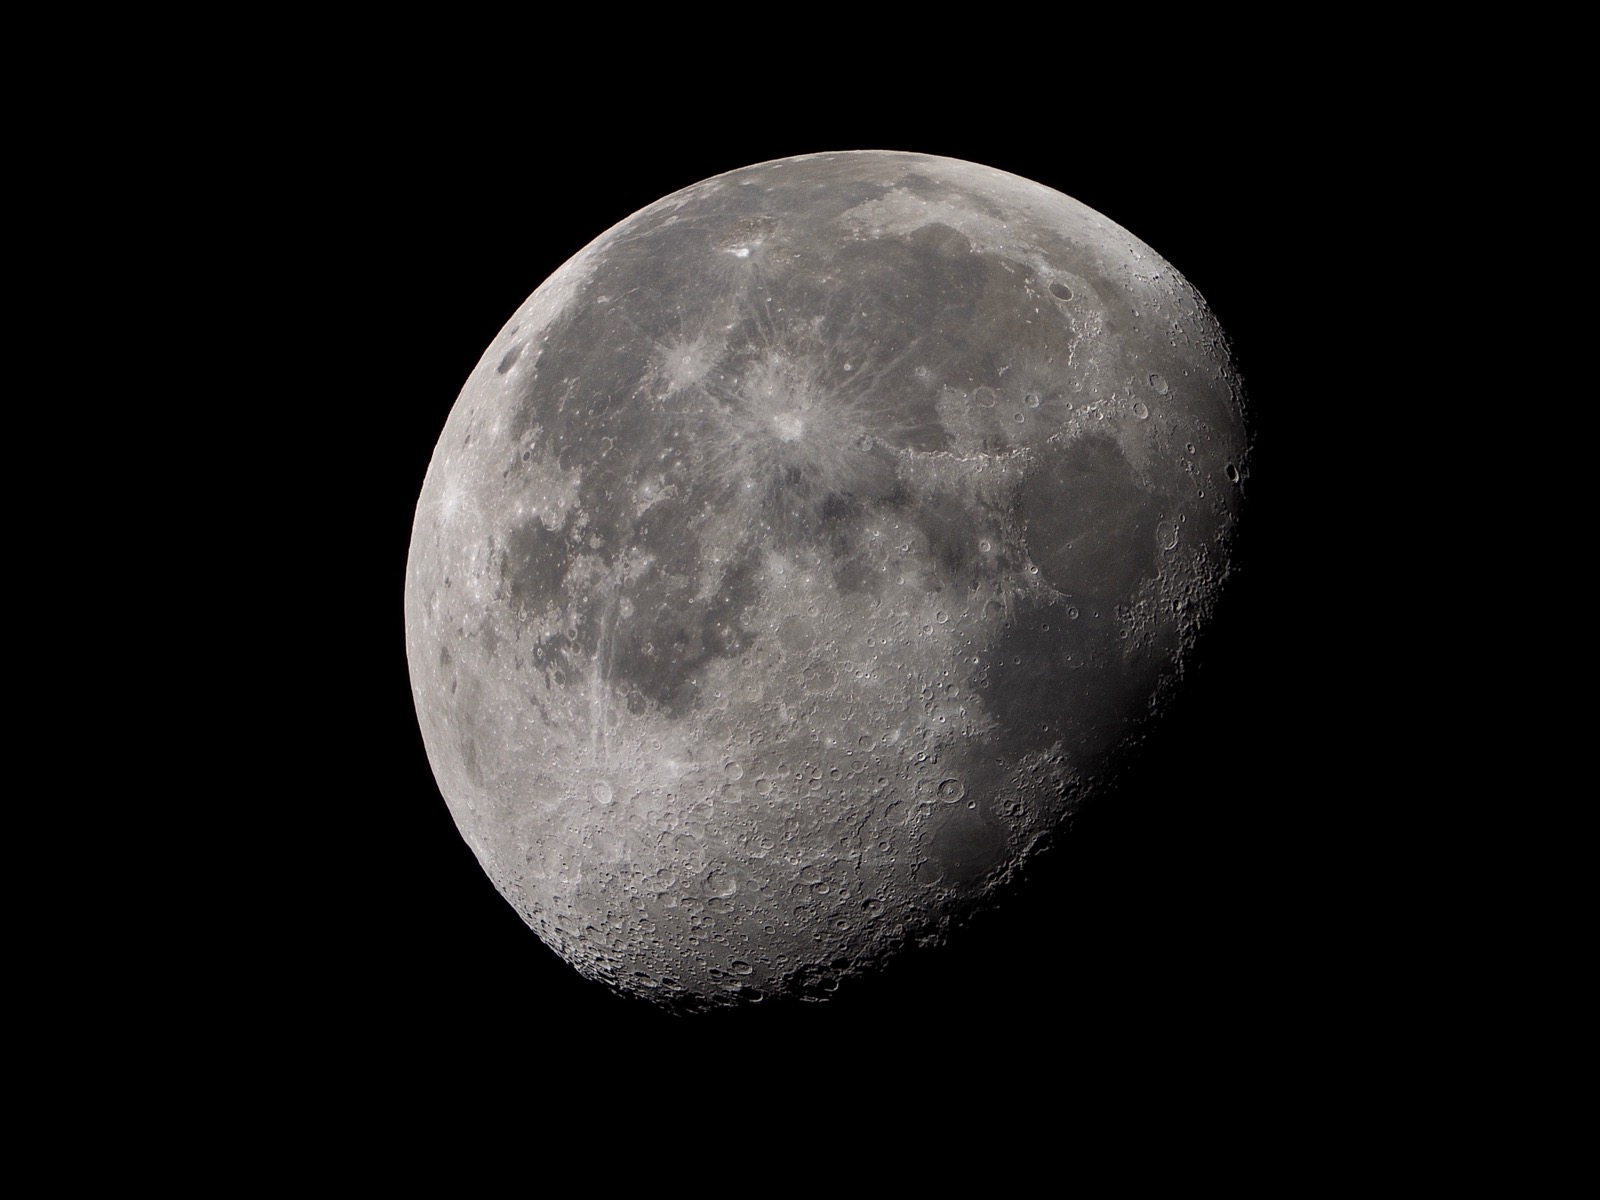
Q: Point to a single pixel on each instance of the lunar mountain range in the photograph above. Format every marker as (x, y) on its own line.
(803, 553)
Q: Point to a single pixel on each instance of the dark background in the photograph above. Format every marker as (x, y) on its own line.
(1176, 923)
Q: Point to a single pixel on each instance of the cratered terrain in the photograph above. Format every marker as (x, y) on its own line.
(802, 555)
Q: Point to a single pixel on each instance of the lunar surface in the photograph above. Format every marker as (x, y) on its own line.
(803, 553)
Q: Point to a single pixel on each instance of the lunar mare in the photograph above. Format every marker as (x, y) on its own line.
(803, 553)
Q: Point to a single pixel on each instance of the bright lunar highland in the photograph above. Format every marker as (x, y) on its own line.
(803, 553)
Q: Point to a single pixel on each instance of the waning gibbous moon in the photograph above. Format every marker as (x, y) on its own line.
(803, 553)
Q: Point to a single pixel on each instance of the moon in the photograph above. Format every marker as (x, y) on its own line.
(803, 554)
